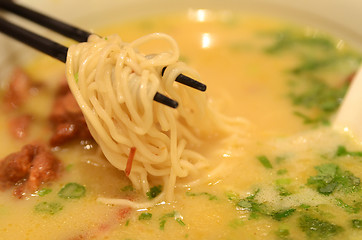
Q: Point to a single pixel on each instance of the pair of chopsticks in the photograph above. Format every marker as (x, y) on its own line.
(59, 51)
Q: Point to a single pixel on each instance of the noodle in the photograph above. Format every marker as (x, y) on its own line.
(114, 84)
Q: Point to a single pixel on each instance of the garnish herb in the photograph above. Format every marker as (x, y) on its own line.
(265, 161)
(232, 196)
(175, 215)
(309, 120)
(235, 223)
(254, 207)
(310, 91)
(211, 196)
(348, 208)
(145, 216)
(318, 229)
(283, 191)
(258, 209)
(282, 233)
(72, 191)
(342, 151)
(48, 207)
(280, 215)
(179, 221)
(128, 188)
(357, 223)
(154, 192)
(282, 171)
(287, 39)
(69, 167)
(44, 191)
(283, 181)
(304, 206)
(330, 178)
(127, 223)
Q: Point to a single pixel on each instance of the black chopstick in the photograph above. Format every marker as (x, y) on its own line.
(46, 21)
(188, 81)
(34, 40)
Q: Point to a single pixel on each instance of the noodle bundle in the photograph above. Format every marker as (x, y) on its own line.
(114, 84)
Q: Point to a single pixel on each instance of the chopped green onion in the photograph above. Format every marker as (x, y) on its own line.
(282, 171)
(127, 223)
(282, 233)
(235, 223)
(44, 191)
(342, 151)
(265, 161)
(162, 224)
(48, 207)
(283, 214)
(283, 181)
(69, 167)
(346, 207)
(175, 215)
(283, 191)
(179, 220)
(318, 229)
(357, 223)
(145, 216)
(331, 177)
(154, 192)
(72, 191)
(211, 196)
(128, 188)
(304, 206)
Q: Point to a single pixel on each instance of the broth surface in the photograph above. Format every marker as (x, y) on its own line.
(286, 80)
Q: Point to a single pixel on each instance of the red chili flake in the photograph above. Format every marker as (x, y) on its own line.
(130, 160)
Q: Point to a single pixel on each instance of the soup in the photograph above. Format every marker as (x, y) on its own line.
(288, 175)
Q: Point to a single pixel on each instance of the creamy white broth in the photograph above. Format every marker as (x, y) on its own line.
(243, 80)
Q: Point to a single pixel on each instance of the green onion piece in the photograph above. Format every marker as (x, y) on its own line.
(172, 214)
(318, 229)
(69, 167)
(283, 181)
(265, 161)
(283, 191)
(357, 223)
(162, 224)
(128, 188)
(283, 214)
(235, 223)
(304, 206)
(179, 220)
(331, 177)
(145, 216)
(72, 191)
(44, 191)
(154, 192)
(282, 171)
(346, 207)
(282, 233)
(48, 207)
(342, 151)
(211, 196)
